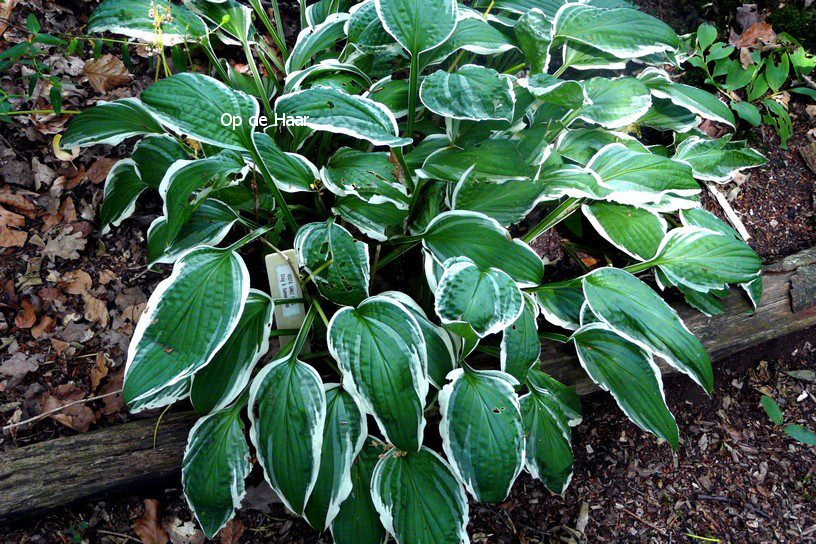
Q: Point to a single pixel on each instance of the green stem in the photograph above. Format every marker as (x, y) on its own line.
(513, 69)
(31, 112)
(257, 76)
(639, 267)
(250, 237)
(409, 179)
(284, 332)
(277, 38)
(413, 91)
(279, 24)
(318, 270)
(395, 253)
(554, 336)
(561, 212)
(276, 192)
(207, 47)
(561, 70)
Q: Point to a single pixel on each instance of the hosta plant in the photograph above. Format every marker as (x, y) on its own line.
(430, 143)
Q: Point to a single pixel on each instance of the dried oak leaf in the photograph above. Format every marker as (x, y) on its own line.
(65, 246)
(232, 531)
(75, 282)
(148, 527)
(12, 237)
(96, 310)
(77, 416)
(99, 370)
(756, 33)
(106, 72)
(27, 316)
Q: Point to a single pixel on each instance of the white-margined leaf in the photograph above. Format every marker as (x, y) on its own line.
(377, 221)
(336, 111)
(485, 242)
(559, 92)
(634, 311)
(291, 172)
(419, 499)
(572, 181)
(508, 202)
(482, 432)
(344, 281)
(567, 399)
(220, 382)
(381, 352)
(391, 93)
(561, 305)
(133, 18)
(520, 345)
(717, 160)
(368, 176)
(110, 123)
(534, 34)
(485, 299)
(235, 29)
(635, 231)
(187, 319)
(344, 433)
(358, 522)
(365, 30)
(122, 187)
(494, 160)
(319, 11)
(471, 92)
(154, 154)
(580, 56)
(666, 115)
(313, 40)
(696, 100)
(216, 462)
(631, 375)
(418, 25)
(474, 34)
(287, 408)
(580, 144)
(615, 103)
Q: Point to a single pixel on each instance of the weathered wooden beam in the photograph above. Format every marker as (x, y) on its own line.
(44, 476)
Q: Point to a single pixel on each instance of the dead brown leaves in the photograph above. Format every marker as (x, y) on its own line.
(148, 527)
(106, 72)
(27, 316)
(759, 33)
(75, 416)
(232, 531)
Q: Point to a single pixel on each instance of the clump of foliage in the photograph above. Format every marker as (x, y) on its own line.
(763, 73)
(794, 430)
(430, 131)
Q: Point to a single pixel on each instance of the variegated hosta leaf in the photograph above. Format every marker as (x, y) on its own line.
(560, 92)
(472, 93)
(561, 305)
(622, 32)
(291, 172)
(438, 343)
(485, 242)
(584, 57)
(321, 10)
(382, 354)
(216, 462)
(238, 24)
(122, 188)
(508, 202)
(391, 93)
(207, 225)
(520, 345)
(634, 311)
(484, 300)
(418, 25)
(631, 375)
(568, 400)
(287, 408)
(110, 123)
(494, 160)
(313, 40)
(135, 19)
(369, 176)
(580, 144)
(572, 181)
(336, 111)
(365, 30)
(534, 34)
(633, 230)
(615, 103)
(189, 316)
(666, 115)
(698, 101)
(220, 382)
(344, 281)
(473, 33)
(641, 178)
(154, 155)
(482, 432)
(419, 499)
(377, 221)
(343, 437)
(358, 522)
(717, 160)
(703, 260)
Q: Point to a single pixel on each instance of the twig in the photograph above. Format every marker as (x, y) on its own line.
(745, 505)
(643, 521)
(729, 212)
(55, 410)
(119, 535)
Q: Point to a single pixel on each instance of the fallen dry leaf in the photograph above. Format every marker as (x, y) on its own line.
(18, 202)
(757, 33)
(99, 169)
(17, 366)
(78, 416)
(114, 403)
(96, 310)
(183, 532)
(232, 531)
(12, 237)
(106, 276)
(42, 328)
(64, 246)
(27, 316)
(106, 72)
(148, 527)
(59, 345)
(5, 14)
(99, 370)
(76, 282)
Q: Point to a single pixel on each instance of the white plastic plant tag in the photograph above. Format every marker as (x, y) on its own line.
(283, 284)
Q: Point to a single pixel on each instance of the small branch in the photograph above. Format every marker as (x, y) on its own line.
(55, 410)
(118, 535)
(729, 212)
(647, 523)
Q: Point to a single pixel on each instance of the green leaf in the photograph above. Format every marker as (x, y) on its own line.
(441, 353)
(474, 34)
(561, 305)
(717, 160)
(520, 345)
(747, 112)
(703, 260)
(32, 24)
(207, 225)
(419, 499)
(154, 155)
(345, 281)
(622, 32)
(777, 74)
(559, 92)
(220, 382)
(584, 57)
(291, 172)
(287, 409)
(195, 105)
(508, 202)
(738, 77)
(377, 221)
(135, 19)
(122, 187)
(631, 375)
(772, 409)
(706, 34)
(343, 437)
(358, 522)
(110, 123)
(635, 312)
(365, 30)
(366, 175)
(472, 93)
(803, 435)
(189, 316)
(641, 178)
(698, 101)
(566, 398)
(666, 115)
(481, 239)
(418, 25)
(482, 432)
(216, 462)
(580, 144)
(494, 159)
(635, 231)
(313, 40)
(615, 102)
(487, 299)
(382, 355)
(391, 93)
(534, 34)
(336, 111)
(804, 91)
